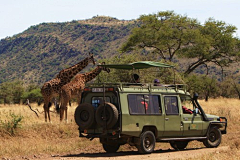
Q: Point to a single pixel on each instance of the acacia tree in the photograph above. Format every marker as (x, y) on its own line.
(169, 35)
(164, 33)
(216, 44)
(232, 85)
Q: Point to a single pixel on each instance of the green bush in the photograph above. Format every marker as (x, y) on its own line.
(12, 124)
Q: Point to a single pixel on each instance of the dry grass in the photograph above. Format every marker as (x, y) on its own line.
(229, 108)
(35, 138)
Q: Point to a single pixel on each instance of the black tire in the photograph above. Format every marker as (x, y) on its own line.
(179, 145)
(214, 138)
(147, 142)
(111, 148)
(84, 115)
(111, 115)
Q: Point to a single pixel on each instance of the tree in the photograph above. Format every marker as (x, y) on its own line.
(202, 84)
(33, 93)
(11, 92)
(216, 44)
(227, 89)
(231, 86)
(164, 33)
(170, 35)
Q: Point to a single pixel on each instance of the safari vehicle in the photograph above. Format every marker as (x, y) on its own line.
(143, 114)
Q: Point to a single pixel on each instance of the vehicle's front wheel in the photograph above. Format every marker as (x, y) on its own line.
(179, 145)
(111, 148)
(147, 142)
(214, 138)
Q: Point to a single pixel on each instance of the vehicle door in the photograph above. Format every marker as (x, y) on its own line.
(172, 118)
(192, 121)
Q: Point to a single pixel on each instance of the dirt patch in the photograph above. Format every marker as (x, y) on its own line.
(156, 155)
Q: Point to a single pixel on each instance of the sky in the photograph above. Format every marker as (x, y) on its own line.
(18, 15)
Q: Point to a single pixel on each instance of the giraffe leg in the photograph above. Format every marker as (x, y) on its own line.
(79, 98)
(45, 112)
(62, 108)
(48, 111)
(46, 106)
(61, 113)
(66, 120)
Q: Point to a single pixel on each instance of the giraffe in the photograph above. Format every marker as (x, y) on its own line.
(75, 88)
(52, 88)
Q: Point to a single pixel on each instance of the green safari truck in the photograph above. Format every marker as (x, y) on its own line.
(143, 114)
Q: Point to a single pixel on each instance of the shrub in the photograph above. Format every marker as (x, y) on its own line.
(12, 123)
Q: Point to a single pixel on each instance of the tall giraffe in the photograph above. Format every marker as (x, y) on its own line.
(53, 87)
(75, 88)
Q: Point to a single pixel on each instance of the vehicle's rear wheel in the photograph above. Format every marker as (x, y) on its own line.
(147, 142)
(111, 115)
(179, 145)
(214, 138)
(84, 115)
(111, 148)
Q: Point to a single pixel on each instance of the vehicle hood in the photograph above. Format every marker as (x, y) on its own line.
(212, 117)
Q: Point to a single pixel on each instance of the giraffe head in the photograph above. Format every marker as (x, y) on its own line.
(104, 68)
(91, 59)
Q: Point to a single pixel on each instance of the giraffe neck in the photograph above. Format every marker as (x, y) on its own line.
(67, 74)
(91, 75)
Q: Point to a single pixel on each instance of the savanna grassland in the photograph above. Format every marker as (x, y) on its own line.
(25, 136)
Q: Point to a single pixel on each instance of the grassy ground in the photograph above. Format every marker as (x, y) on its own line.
(23, 134)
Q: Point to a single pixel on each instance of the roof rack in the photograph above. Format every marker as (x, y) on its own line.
(149, 86)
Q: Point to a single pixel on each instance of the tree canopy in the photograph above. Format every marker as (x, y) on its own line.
(170, 35)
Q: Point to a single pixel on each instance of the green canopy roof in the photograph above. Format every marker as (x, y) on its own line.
(138, 65)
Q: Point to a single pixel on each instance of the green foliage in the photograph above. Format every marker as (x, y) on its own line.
(164, 33)
(11, 125)
(170, 35)
(43, 50)
(216, 44)
(40, 52)
(34, 95)
(11, 92)
(203, 85)
(16, 92)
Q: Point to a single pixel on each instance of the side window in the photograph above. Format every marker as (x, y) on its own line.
(135, 105)
(171, 105)
(154, 105)
(144, 104)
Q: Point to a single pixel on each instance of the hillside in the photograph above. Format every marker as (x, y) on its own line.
(40, 52)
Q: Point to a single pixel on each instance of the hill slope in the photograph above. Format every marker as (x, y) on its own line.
(40, 52)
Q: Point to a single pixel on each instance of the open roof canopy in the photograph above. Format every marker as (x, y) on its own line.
(138, 65)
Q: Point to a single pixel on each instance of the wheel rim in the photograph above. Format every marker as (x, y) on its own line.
(212, 136)
(84, 115)
(148, 143)
(107, 115)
